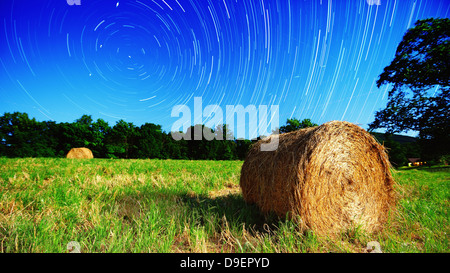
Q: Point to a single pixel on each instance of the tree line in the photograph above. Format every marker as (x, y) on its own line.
(22, 136)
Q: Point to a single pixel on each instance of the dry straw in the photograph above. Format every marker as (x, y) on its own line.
(80, 153)
(334, 177)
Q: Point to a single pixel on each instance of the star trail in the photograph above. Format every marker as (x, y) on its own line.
(135, 60)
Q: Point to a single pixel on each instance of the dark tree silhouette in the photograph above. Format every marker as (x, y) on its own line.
(419, 97)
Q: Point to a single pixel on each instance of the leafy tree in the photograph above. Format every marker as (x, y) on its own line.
(396, 151)
(207, 143)
(76, 134)
(242, 147)
(84, 132)
(85, 120)
(198, 146)
(100, 129)
(122, 140)
(21, 136)
(295, 124)
(150, 141)
(18, 132)
(419, 97)
(66, 137)
(222, 132)
(223, 144)
(175, 149)
(46, 144)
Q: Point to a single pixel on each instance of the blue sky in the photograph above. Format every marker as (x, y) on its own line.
(136, 60)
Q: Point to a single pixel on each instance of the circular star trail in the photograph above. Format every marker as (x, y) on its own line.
(136, 60)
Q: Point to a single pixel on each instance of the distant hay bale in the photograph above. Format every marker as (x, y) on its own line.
(334, 177)
(79, 153)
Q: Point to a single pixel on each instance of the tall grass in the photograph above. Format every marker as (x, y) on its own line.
(186, 206)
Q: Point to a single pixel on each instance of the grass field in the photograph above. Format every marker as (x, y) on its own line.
(187, 206)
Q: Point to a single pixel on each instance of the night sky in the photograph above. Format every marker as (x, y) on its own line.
(136, 60)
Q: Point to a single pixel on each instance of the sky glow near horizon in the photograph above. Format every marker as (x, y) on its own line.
(135, 60)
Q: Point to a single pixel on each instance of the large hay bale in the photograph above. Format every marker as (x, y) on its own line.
(80, 153)
(334, 177)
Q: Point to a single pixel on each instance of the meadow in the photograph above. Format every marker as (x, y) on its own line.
(178, 206)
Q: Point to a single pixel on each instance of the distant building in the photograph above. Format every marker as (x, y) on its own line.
(414, 161)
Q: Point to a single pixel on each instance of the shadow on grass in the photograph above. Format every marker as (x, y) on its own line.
(234, 208)
(197, 209)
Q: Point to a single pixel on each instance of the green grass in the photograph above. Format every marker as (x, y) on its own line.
(187, 206)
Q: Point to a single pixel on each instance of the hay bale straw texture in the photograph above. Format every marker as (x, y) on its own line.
(334, 177)
(80, 153)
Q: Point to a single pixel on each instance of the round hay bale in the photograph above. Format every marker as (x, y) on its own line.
(334, 177)
(80, 153)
